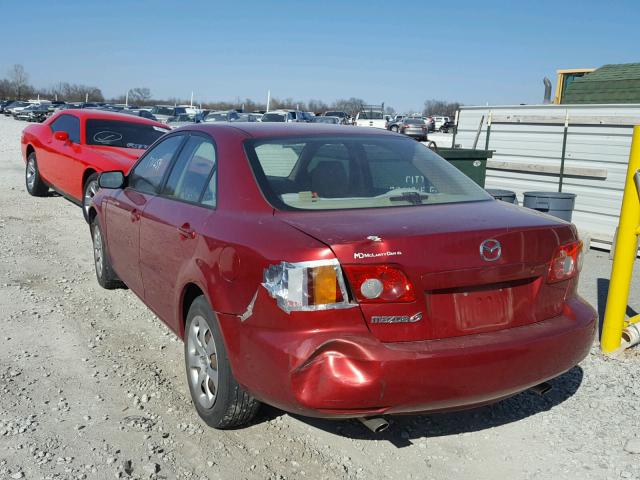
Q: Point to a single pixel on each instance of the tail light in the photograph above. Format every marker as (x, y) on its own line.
(379, 284)
(566, 262)
(307, 286)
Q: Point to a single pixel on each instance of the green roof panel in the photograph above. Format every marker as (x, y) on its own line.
(608, 84)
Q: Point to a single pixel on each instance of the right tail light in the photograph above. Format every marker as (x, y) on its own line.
(566, 262)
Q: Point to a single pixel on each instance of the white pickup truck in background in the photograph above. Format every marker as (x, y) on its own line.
(372, 116)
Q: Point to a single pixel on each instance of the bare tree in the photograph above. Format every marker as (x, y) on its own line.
(19, 79)
(352, 106)
(440, 107)
(140, 94)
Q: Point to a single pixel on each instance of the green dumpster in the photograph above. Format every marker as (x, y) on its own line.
(471, 162)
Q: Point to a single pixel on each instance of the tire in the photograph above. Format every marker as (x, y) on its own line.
(105, 275)
(394, 129)
(34, 183)
(218, 398)
(89, 189)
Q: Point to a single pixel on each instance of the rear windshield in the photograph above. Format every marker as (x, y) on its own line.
(273, 117)
(115, 133)
(344, 172)
(413, 121)
(162, 110)
(369, 115)
(335, 114)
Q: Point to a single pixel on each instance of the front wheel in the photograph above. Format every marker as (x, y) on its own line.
(219, 400)
(394, 129)
(35, 184)
(88, 192)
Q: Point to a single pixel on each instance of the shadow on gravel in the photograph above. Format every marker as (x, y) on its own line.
(603, 291)
(405, 428)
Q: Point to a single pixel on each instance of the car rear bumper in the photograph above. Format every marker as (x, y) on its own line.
(357, 375)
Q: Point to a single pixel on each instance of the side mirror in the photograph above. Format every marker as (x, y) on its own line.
(113, 180)
(62, 136)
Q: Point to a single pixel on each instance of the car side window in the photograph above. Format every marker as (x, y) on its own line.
(147, 175)
(69, 124)
(191, 177)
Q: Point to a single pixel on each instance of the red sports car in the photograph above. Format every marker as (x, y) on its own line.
(68, 150)
(338, 272)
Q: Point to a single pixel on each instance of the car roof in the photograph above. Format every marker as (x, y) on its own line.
(86, 113)
(268, 130)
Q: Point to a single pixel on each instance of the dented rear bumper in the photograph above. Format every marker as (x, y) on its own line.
(351, 374)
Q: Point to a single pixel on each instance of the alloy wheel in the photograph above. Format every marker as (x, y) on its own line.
(97, 250)
(89, 192)
(202, 362)
(31, 173)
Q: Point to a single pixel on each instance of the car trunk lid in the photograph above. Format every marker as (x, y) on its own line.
(458, 291)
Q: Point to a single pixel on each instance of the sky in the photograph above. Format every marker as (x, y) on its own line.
(400, 53)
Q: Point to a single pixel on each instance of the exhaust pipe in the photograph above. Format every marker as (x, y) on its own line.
(547, 90)
(541, 389)
(375, 424)
(631, 335)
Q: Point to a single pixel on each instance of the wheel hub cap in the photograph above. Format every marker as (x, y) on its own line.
(202, 365)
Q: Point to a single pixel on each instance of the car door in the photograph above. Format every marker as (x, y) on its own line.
(124, 209)
(172, 224)
(57, 162)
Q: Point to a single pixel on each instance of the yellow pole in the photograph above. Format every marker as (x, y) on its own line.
(625, 254)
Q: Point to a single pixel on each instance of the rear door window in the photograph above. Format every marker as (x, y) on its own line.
(190, 179)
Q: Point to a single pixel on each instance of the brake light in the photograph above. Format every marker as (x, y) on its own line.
(379, 284)
(306, 286)
(566, 262)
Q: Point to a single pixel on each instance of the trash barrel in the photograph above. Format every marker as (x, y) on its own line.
(504, 195)
(558, 204)
(471, 162)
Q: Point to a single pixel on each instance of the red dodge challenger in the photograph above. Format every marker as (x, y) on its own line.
(338, 272)
(67, 151)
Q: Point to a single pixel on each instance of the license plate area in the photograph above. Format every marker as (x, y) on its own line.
(478, 310)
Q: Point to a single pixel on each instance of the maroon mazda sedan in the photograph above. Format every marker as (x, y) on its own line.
(338, 272)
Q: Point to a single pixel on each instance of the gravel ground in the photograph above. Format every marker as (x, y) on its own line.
(92, 386)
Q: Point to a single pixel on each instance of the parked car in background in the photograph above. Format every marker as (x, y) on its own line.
(448, 126)
(314, 269)
(438, 121)
(139, 112)
(328, 120)
(13, 106)
(222, 116)
(22, 113)
(164, 112)
(345, 119)
(181, 120)
(414, 128)
(278, 116)
(371, 118)
(70, 148)
(33, 113)
(394, 125)
(249, 117)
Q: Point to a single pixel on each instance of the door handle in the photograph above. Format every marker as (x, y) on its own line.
(135, 215)
(186, 231)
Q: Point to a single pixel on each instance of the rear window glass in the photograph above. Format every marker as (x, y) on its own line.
(414, 121)
(115, 133)
(326, 173)
(273, 117)
(369, 115)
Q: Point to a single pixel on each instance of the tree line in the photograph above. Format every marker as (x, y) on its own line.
(16, 86)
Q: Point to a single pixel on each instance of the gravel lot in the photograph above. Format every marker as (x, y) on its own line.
(92, 386)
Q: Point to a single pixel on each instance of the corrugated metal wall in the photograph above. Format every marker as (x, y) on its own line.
(530, 137)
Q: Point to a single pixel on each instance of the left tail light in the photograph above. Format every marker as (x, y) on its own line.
(566, 262)
(307, 286)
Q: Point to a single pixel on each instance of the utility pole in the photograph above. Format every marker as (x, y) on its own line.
(268, 99)
(192, 98)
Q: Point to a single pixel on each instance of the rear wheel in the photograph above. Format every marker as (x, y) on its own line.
(88, 191)
(219, 400)
(394, 128)
(35, 184)
(105, 275)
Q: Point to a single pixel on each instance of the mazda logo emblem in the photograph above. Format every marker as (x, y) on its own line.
(490, 250)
